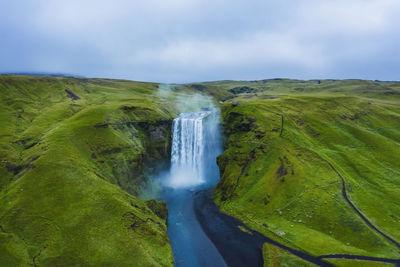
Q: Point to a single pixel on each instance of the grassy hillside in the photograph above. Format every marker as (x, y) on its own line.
(291, 147)
(276, 257)
(74, 154)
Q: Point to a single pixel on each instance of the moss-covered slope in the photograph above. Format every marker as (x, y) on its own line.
(291, 145)
(276, 257)
(74, 153)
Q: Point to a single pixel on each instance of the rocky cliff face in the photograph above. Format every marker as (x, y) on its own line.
(133, 167)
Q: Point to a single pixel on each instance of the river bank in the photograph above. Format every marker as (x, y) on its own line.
(237, 247)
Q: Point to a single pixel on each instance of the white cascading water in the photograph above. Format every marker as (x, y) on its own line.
(187, 154)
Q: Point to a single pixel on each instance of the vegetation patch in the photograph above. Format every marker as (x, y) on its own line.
(277, 257)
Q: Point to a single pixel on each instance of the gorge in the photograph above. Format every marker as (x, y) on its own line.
(78, 154)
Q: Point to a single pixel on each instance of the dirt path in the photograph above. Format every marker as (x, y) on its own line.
(358, 257)
(362, 216)
(345, 196)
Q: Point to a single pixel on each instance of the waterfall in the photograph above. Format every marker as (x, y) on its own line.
(187, 153)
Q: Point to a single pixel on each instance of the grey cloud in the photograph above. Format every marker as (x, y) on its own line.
(196, 40)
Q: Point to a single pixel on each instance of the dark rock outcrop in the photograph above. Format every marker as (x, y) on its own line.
(242, 89)
(71, 95)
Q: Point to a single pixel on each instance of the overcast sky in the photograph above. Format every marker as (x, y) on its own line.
(202, 40)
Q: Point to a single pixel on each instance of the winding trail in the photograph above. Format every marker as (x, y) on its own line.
(345, 196)
(362, 216)
(358, 257)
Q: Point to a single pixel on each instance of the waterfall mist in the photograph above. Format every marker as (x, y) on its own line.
(180, 100)
(195, 138)
(183, 99)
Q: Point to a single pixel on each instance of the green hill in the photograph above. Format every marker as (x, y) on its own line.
(290, 146)
(74, 155)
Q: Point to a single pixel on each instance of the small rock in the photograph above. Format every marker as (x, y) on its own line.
(157, 134)
(281, 233)
(234, 104)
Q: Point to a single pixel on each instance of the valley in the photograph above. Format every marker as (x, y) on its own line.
(312, 166)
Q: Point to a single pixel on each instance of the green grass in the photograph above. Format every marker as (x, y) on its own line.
(358, 263)
(277, 257)
(71, 170)
(280, 183)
